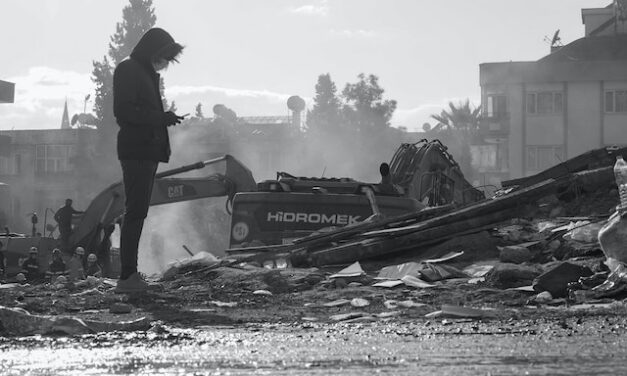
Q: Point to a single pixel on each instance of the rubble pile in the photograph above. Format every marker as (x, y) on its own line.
(530, 251)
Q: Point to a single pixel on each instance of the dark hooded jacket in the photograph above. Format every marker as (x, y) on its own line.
(137, 104)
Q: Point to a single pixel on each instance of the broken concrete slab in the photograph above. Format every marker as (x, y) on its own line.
(514, 254)
(556, 279)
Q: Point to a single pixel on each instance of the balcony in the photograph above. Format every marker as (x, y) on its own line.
(495, 125)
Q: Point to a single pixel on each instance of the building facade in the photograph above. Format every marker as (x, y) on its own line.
(540, 113)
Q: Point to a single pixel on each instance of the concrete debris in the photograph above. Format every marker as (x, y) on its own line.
(388, 284)
(418, 283)
(359, 302)
(451, 311)
(353, 270)
(19, 322)
(556, 279)
(514, 254)
(120, 308)
(337, 303)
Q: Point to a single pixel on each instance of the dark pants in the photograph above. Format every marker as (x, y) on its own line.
(138, 177)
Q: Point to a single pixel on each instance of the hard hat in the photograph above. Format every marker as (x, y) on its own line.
(92, 257)
(56, 251)
(20, 277)
(61, 279)
(33, 250)
(80, 251)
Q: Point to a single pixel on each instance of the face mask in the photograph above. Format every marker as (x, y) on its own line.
(160, 64)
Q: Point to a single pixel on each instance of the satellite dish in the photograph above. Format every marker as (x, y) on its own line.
(556, 38)
(218, 109)
(296, 103)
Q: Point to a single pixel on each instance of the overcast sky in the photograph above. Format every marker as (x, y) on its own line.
(251, 55)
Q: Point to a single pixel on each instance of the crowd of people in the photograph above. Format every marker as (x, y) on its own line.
(75, 268)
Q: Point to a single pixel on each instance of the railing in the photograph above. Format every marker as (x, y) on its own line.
(494, 125)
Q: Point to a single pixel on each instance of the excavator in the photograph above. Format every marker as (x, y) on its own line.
(280, 210)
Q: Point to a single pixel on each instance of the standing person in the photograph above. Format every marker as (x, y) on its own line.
(34, 220)
(143, 140)
(63, 216)
(3, 264)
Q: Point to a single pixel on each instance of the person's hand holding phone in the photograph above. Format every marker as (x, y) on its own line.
(172, 119)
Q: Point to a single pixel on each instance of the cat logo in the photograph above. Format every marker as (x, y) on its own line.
(175, 191)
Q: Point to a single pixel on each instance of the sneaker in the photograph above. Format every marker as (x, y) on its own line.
(135, 283)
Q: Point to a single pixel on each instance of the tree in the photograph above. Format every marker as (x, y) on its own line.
(137, 18)
(457, 127)
(365, 109)
(326, 112)
(173, 107)
(460, 117)
(198, 111)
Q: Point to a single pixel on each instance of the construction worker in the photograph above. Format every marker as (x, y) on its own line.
(76, 266)
(93, 269)
(57, 265)
(63, 216)
(30, 266)
(143, 140)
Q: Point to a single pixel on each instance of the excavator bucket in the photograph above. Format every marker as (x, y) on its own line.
(428, 173)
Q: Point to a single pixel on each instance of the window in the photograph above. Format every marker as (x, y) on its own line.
(542, 157)
(5, 168)
(616, 101)
(53, 158)
(496, 106)
(545, 102)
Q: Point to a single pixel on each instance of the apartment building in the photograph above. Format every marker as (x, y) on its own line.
(539, 113)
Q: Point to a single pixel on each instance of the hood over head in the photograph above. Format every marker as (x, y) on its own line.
(156, 43)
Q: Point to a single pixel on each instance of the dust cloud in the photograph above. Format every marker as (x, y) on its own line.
(203, 225)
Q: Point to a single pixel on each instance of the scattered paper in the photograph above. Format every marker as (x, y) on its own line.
(399, 271)
(388, 284)
(353, 270)
(446, 257)
(418, 283)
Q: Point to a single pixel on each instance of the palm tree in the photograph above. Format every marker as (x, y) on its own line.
(459, 117)
(456, 128)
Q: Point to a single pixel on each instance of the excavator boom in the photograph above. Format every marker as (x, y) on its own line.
(109, 204)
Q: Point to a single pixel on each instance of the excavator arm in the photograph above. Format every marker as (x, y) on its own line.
(108, 205)
(427, 172)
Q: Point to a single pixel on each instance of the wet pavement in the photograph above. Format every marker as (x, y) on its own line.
(590, 345)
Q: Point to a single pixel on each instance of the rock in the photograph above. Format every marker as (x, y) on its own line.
(359, 302)
(543, 297)
(506, 275)
(556, 279)
(120, 308)
(555, 244)
(514, 254)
